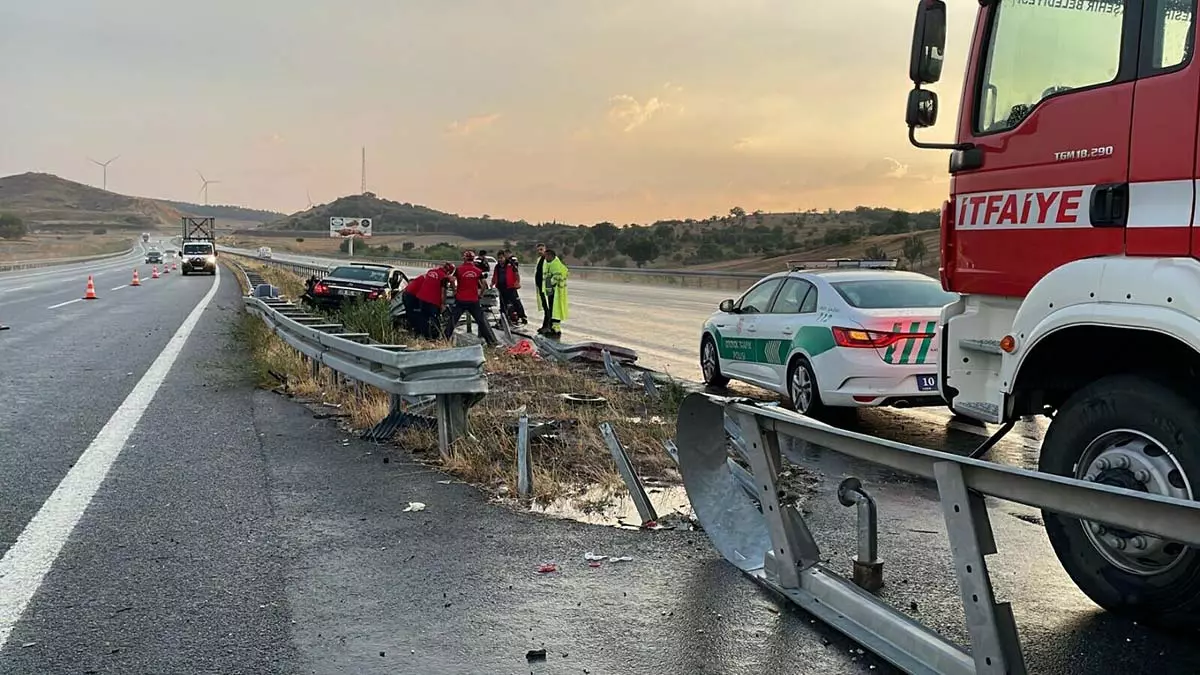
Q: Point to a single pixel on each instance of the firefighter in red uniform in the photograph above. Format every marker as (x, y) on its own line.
(424, 298)
(470, 282)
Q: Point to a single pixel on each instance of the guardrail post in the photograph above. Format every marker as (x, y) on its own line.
(640, 499)
(868, 569)
(995, 645)
(793, 548)
(452, 420)
(524, 461)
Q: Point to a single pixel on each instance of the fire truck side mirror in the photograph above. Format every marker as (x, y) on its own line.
(922, 109)
(929, 43)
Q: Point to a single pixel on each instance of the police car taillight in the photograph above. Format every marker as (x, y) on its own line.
(321, 289)
(869, 339)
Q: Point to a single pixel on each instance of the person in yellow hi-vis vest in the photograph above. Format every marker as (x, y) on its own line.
(554, 285)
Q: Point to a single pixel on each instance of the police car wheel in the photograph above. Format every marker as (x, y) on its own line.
(1137, 433)
(803, 394)
(710, 363)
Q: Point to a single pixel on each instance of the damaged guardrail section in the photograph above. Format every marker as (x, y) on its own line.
(453, 378)
(769, 540)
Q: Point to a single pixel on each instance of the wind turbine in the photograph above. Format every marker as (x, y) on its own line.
(204, 187)
(310, 204)
(104, 166)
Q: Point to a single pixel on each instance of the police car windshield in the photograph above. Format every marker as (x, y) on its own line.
(360, 274)
(893, 293)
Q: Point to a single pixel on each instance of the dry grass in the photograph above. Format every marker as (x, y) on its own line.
(577, 458)
(572, 461)
(42, 246)
(290, 285)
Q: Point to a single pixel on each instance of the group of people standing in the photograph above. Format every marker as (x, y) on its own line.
(424, 297)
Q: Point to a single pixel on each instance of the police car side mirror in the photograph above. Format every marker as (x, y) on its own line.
(726, 306)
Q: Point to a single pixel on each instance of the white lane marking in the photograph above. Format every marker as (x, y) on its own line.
(14, 290)
(118, 287)
(25, 565)
(63, 304)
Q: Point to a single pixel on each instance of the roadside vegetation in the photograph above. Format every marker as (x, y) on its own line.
(569, 456)
(18, 243)
(737, 236)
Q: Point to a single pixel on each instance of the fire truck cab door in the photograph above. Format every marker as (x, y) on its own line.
(1162, 155)
(1053, 100)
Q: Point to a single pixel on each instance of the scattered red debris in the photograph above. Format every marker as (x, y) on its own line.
(547, 568)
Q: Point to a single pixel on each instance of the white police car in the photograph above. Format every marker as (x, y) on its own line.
(838, 333)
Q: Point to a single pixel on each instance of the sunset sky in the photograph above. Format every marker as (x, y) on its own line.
(575, 110)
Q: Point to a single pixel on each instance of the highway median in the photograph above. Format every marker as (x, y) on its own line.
(564, 403)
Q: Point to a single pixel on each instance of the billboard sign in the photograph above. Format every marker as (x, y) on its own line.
(350, 227)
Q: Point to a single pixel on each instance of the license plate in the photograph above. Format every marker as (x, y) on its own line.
(927, 382)
(342, 291)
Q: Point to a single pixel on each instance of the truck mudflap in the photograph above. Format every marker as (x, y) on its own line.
(730, 455)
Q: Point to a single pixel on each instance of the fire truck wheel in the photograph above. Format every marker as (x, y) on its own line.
(1137, 433)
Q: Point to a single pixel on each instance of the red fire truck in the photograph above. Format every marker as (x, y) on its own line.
(1070, 234)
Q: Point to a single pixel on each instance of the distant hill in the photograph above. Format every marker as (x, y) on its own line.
(736, 240)
(396, 217)
(46, 201)
(225, 211)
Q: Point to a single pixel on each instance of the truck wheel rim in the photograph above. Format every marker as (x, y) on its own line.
(1135, 461)
(801, 389)
(708, 361)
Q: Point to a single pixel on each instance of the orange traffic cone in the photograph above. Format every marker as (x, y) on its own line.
(91, 290)
(135, 281)
(155, 275)
(174, 266)
(166, 268)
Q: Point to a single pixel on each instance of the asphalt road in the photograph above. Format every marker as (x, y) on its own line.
(169, 518)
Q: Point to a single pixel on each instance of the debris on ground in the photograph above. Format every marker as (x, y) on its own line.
(535, 655)
(414, 507)
(547, 568)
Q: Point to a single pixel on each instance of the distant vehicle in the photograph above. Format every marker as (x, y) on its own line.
(154, 256)
(366, 281)
(199, 246)
(831, 337)
(199, 257)
(264, 251)
(145, 237)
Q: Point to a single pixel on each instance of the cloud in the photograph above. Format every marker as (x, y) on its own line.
(471, 124)
(630, 114)
(898, 169)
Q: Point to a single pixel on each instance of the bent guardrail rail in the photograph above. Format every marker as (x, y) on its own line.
(748, 522)
(11, 265)
(453, 377)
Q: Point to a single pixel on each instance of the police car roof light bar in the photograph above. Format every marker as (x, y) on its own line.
(836, 263)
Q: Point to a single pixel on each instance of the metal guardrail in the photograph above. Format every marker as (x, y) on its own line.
(747, 519)
(454, 378)
(8, 266)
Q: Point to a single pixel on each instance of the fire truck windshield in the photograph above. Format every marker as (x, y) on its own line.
(1038, 48)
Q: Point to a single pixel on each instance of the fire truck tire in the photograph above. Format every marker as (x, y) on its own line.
(1140, 433)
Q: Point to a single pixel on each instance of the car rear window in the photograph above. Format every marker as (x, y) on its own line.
(360, 274)
(893, 293)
